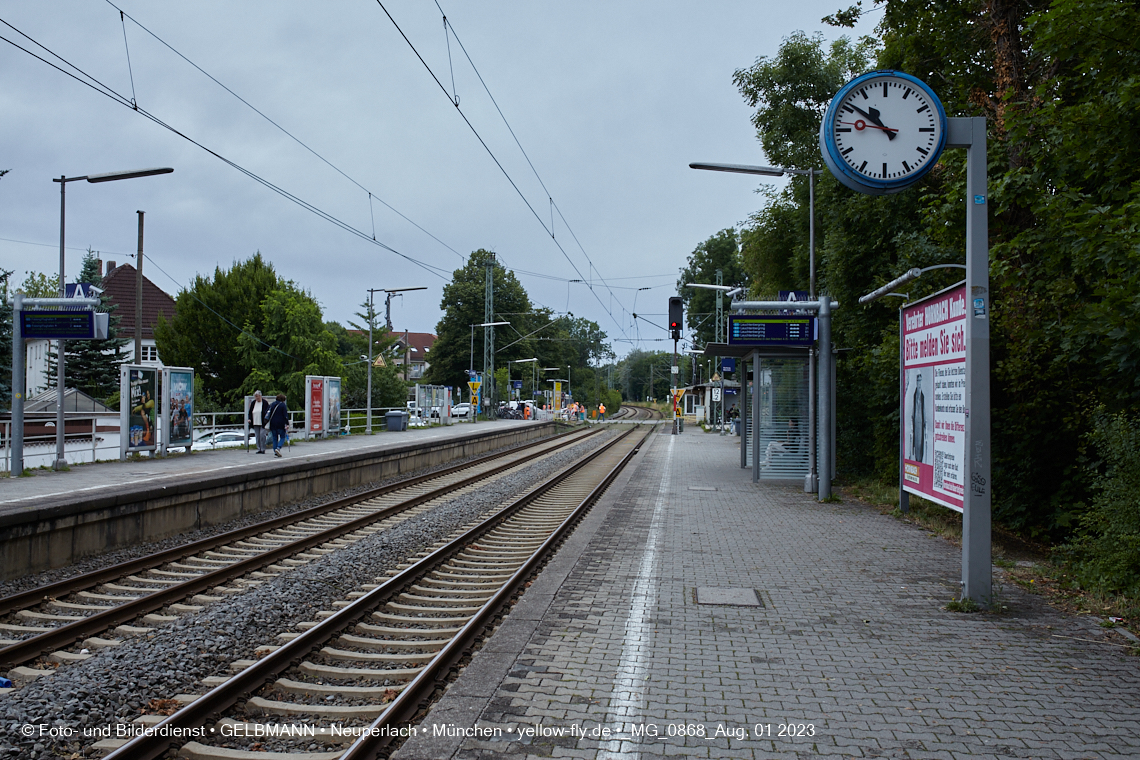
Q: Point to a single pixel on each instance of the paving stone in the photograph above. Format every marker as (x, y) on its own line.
(853, 642)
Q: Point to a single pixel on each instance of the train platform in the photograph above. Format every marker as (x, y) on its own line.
(695, 613)
(50, 519)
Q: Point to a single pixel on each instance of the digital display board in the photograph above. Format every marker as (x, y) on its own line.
(58, 325)
(771, 331)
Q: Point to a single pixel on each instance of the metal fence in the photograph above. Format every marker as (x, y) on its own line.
(94, 436)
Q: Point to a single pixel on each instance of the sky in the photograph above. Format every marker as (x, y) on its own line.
(610, 102)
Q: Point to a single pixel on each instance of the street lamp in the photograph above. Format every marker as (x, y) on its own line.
(371, 319)
(60, 461)
(471, 372)
(534, 373)
(779, 171)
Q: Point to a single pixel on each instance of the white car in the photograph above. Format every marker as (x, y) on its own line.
(221, 440)
(461, 410)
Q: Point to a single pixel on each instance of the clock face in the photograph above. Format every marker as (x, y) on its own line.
(883, 131)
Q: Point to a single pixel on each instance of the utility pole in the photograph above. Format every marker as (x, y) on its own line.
(138, 293)
(489, 331)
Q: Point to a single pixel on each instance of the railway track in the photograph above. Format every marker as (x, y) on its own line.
(352, 678)
(639, 413)
(133, 597)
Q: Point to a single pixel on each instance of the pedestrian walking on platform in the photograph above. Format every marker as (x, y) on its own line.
(278, 421)
(258, 414)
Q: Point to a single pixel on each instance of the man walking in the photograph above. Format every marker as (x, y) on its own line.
(258, 413)
(278, 422)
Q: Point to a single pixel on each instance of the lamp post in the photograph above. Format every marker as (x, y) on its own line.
(60, 461)
(371, 319)
(471, 372)
(721, 291)
(779, 171)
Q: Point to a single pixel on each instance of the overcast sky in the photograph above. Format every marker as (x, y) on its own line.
(611, 101)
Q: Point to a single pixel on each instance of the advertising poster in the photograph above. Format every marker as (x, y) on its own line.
(332, 405)
(179, 391)
(557, 395)
(314, 405)
(140, 412)
(934, 398)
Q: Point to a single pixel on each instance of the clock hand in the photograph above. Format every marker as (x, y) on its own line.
(861, 125)
(874, 117)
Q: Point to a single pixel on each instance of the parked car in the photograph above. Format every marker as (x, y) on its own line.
(221, 440)
(461, 410)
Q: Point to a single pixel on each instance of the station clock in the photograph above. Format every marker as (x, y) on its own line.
(882, 132)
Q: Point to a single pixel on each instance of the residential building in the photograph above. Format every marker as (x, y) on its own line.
(119, 284)
(413, 348)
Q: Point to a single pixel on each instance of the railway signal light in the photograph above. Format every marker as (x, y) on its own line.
(676, 312)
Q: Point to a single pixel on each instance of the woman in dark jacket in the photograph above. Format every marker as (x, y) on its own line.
(278, 422)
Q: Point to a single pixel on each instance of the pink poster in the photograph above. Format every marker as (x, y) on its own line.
(934, 397)
(316, 403)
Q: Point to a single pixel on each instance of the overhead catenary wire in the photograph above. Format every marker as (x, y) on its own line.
(109, 92)
(494, 158)
(283, 130)
(553, 206)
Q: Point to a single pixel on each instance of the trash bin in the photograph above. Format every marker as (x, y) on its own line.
(680, 424)
(397, 421)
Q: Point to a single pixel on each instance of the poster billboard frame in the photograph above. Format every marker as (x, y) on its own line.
(332, 405)
(938, 348)
(168, 399)
(314, 406)
(126, 407)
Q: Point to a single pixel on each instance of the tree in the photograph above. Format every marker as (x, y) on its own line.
(93, 365)
(287, 343)
(463, 306)
(208, 321)
(40, 285)
(719, 252)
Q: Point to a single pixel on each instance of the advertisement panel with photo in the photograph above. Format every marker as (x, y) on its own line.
(138, 409)
(332, 404)
(933, 398)
(178, 384)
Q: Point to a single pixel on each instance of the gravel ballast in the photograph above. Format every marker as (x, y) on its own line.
(115, 684)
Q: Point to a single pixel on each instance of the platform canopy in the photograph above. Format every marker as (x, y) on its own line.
(713, 350)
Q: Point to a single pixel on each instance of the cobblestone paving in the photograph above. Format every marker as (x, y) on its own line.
(852, 648)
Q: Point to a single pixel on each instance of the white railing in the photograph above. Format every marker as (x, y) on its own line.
(86, 442)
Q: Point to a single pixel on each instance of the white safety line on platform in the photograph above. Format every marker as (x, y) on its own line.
(628, 696)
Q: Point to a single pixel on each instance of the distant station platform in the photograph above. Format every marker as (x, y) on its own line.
(697, 613)
(52, 518)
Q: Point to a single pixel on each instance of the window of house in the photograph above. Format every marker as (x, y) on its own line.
(149, 354)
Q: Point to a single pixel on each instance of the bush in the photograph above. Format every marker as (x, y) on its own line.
(1106, 554)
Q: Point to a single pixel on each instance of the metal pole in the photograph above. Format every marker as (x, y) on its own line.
(18, 384)
(904, 497)
(138, 294)
(811, 233)
(371, 317)
(756, 417)
(60, 379)
(976, 558)
(825, 410)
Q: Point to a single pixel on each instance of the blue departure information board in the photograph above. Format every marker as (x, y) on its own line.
(771, 331)
(58, 325)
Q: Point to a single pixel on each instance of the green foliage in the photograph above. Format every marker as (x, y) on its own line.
(290, 343)
(204, 333)
(92, 366)
(1106, 553)
(790, 93)
(719, 252)
(40, 285)
(1058, 84)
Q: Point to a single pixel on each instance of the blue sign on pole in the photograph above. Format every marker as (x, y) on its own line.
(758, 330)
(58, 325)
(728, 364)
